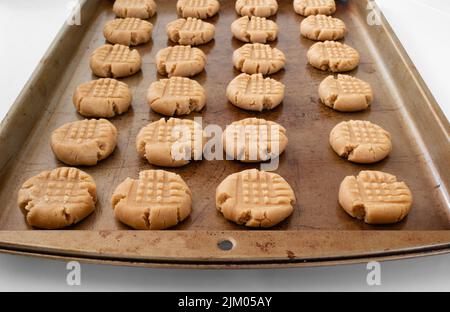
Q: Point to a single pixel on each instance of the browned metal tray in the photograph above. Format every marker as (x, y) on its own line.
(318, 232)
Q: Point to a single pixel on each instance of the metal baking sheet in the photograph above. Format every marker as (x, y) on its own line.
(318, 232)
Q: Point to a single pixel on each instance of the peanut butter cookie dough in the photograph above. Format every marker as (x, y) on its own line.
(157, 200)
(58, 198)
(255, 198)
(84, 142)
(375, 197)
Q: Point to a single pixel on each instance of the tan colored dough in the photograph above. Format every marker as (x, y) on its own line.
(360, 141)
(197, 8)
(128, 31)
(254, 29)
(176, 96)
(333, 56)
(255, 198)
(115, 61)
(190, 31)
(171, 143)
(255, 58)
(157, 200)
(84, 142)
(375, 197)
(261, 8)
(58, 198)
(254, 92)
(142, 9)
(322, 28)
(254, 140)
(180, 60)
(103, 97)
(314, 7)
(345, 93)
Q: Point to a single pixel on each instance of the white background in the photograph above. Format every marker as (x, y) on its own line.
(26, 30)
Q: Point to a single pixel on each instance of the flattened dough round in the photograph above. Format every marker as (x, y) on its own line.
(345, 93)
(103, 97)
(58, 198)
(176, 96)
(314, 7)
(254, 29)
(360, 141)
(257, 58)
(142, 9)
(333, 56)
(375, 197)
(261, 8)
(190, 31)
(172, 143)
(115, 61)
(128, 31)
(254, 140)
(255, 198)
(157, 200)
(84, 142)
(180, 60)
(197, 8)
(322, 28)
(254, 92)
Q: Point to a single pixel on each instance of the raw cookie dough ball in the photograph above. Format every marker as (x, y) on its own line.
(176, 96)
(254, 58)
(58, 198)
(333, 56)
(115, 61)
(190, 31)
(314, 7)
(360, 141)
(322, 28)
(197, 8)
(254, 140)
(128, 31)
(345, 93)
(182, 61)
(142, 9)
(172, 143)
(254, 92)
(103, 97)
(157, 200)
(84, 142)
(375, 197)
(255, 198)
(261, 8)
(254, 29)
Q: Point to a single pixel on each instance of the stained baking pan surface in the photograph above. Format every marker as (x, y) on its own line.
(318, 232)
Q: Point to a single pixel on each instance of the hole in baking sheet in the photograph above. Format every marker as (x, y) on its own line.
(225, 245)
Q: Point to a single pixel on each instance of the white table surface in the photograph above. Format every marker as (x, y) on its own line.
(421, 25)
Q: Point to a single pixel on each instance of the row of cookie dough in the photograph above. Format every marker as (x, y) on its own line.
(157, 200)
(376, 197)
(86, 142)
(203, 9)
(266, 8)
(160, 199)
(106, 97)
(170, 143)
(144, 9)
